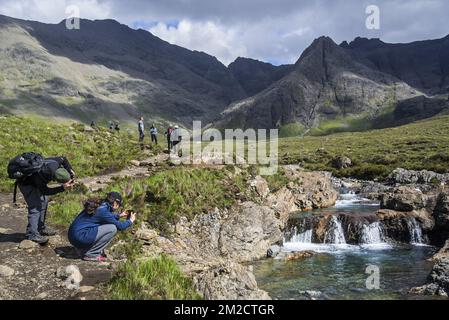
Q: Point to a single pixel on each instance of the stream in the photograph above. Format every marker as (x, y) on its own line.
(349, 244)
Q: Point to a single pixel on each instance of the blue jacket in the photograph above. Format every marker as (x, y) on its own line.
(84, 228)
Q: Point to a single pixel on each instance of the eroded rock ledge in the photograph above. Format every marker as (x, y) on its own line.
(213, 247)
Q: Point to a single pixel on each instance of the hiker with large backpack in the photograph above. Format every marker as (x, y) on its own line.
(95, 227)
(33, 173)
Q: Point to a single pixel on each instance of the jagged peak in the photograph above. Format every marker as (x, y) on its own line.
(365, 42)
(319, 44)
(248, 61)
(323, 40)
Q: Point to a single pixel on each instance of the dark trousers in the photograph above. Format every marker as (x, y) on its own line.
(169, 144)
(141, 138)
(37, 209)
(154, 138)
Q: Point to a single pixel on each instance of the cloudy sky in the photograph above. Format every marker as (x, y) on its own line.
(276, 31)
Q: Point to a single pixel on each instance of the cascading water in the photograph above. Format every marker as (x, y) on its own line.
(305, 237)
(352, 199)
(352, 237)
(372, 234)
(415, 231)
(335, 234)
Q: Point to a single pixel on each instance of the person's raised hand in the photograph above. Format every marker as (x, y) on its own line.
(124, 214)
(69, 185)
(132, 218)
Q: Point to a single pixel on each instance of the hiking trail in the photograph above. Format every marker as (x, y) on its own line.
(28, 271)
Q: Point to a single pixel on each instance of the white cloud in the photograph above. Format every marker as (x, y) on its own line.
(208, 36)
(51, 11)
(269, 30)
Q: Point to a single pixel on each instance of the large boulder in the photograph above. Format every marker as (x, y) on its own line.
(311, 190)
(341, 162)
(249, 232)
(438, 280)
(229, 281)
(407, 199)
(403, 176)
(282, 202)
(441, 211)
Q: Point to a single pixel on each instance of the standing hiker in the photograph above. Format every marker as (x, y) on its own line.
(111, 126)
(33, 173)
(141, 127)
(96, 226)
(175, 139)
(153, 132)
(117, 127)
(168, 134)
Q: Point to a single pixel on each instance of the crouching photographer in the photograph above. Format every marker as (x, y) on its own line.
(95, 227)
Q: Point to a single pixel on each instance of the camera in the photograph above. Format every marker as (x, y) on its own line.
(129, 214)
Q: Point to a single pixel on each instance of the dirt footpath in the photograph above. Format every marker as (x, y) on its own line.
(30, 272)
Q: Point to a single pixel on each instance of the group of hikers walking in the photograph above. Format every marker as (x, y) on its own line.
(96, 225)
(172, 134)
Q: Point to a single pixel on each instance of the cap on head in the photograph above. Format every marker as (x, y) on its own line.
(62, 175)
(115, 196)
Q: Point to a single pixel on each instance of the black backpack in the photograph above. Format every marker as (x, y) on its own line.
(23, 166)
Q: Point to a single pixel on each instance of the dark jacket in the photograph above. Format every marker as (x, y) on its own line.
(84, 228)
(42, 178)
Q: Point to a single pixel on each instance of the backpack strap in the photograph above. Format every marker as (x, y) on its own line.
(15, 192)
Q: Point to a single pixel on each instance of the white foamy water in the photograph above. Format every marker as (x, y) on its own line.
(416, 234)
(332, 248)
(351, 199)
(335, 234)
(372, 234)
(305, 237)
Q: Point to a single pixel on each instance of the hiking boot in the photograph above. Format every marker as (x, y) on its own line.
(38, 239)
(95, 259)
(49, 232)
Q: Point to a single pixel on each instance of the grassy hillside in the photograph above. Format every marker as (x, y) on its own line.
(420, 145)
(89, 152)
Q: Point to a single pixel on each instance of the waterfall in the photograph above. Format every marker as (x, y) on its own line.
(335, 234)
(305, 237)
(351, 199)
(415, 231)
(371, 234)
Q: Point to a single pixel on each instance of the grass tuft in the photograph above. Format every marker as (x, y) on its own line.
(153, 279)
